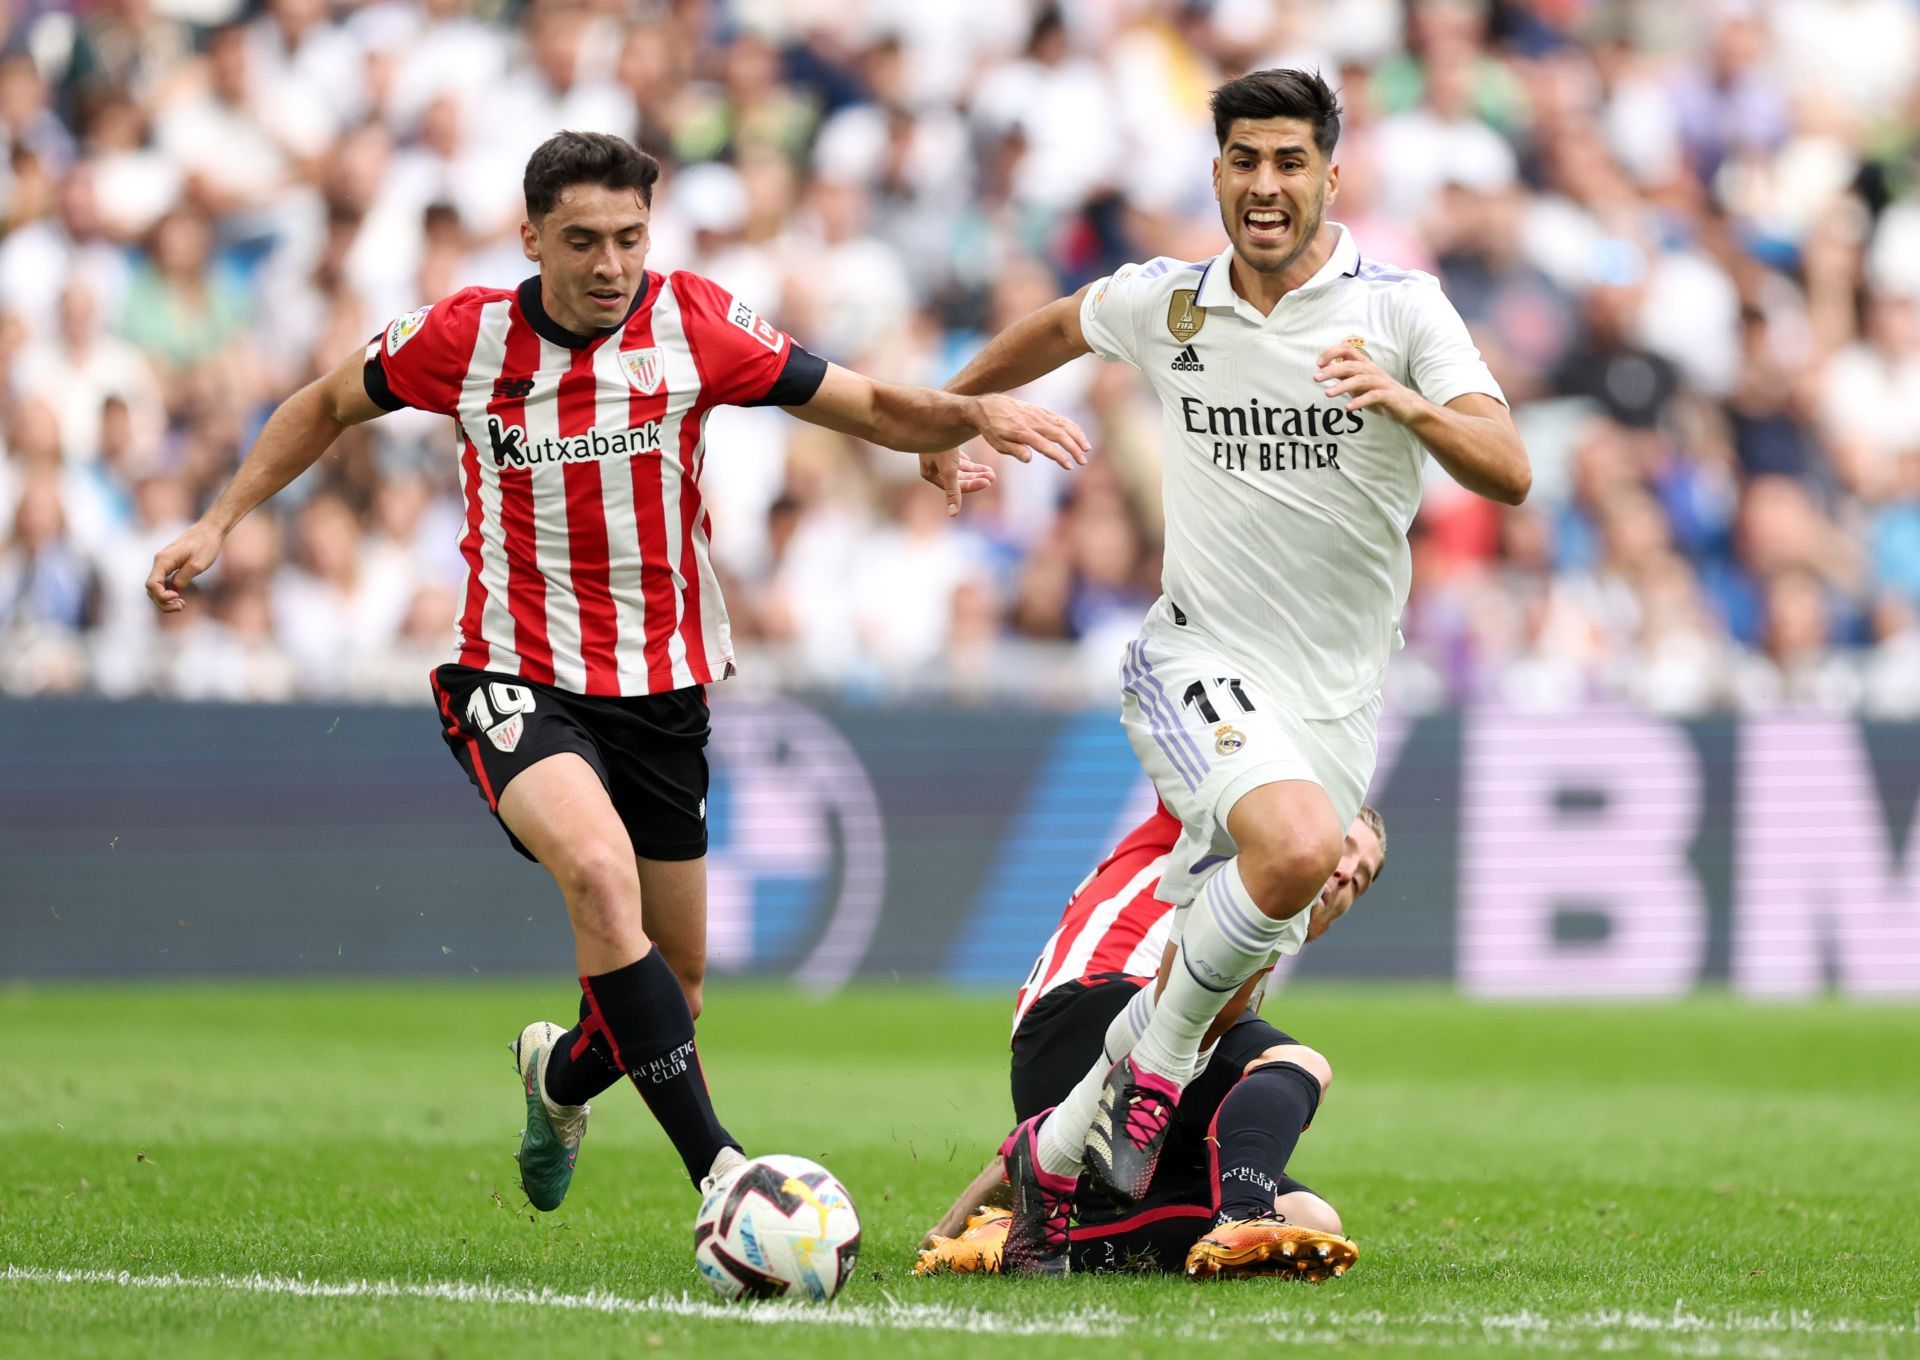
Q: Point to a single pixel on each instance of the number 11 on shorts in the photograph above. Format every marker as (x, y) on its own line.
(1222, 687)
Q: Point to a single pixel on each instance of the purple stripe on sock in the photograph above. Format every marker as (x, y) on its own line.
(1227, 919)
(1263, 927)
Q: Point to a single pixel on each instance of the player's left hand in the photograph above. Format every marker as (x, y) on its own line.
(955, 474)
(1345, 370)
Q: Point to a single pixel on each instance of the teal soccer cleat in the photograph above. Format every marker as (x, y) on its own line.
(551, 1141)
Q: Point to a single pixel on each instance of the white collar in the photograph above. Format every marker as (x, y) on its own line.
(1216, 284)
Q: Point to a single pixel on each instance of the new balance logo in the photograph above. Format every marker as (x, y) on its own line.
(512, 387)
(1186, 361)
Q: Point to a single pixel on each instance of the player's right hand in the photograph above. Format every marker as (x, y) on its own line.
(179, 562)
(1020, 429)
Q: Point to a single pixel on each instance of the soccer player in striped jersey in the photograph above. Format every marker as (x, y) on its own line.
(1302, 388)
(1221, 1201)
(592, 617)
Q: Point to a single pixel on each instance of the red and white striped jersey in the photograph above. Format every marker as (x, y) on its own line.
(586, 543)
(1113, 923)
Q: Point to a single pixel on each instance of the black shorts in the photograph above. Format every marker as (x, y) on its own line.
(649, 751)
(1061, 1036)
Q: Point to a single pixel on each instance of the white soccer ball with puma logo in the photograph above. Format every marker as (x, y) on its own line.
(777, 1227)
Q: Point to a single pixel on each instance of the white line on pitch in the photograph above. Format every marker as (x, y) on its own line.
(898, 1316)
(1308, 1322)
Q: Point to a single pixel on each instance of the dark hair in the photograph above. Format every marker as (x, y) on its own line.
(569, 158)
(1279, 93)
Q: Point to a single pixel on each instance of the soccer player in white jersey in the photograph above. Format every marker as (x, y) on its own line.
(1302, 387)
(592, 619)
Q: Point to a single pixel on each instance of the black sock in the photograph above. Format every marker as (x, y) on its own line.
(1255, 1131)
(643, 1014)
(581, 1065)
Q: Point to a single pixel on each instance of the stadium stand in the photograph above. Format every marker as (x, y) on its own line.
(1686, 238)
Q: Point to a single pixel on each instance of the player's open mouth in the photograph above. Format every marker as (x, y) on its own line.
(1266, 224)
(606, 300)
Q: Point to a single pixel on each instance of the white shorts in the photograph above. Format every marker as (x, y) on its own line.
(1207, 736)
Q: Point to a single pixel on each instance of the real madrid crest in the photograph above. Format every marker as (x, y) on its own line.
(644, 369)
(1359, 342)
(1184, 319)
(1227, 740)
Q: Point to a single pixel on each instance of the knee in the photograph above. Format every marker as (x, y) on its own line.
(602, 889)
(1306, 1059)
(1284, 867)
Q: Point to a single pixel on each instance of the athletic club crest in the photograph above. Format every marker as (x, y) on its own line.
(505, 734)
(644, 369)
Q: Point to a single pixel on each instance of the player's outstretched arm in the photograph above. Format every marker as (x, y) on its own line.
(1030, 348)
(989, 1186)
(1472, 437)
(302, 428)
(922, 420)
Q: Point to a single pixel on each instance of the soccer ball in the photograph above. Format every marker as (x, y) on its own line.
(777, 1227)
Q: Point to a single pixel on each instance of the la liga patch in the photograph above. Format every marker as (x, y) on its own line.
(405, 328)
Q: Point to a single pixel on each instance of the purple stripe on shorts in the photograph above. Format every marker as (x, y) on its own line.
(1152, 712)
(1180, 732)
(1170, 723)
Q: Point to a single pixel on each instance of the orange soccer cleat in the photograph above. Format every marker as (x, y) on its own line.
(1268, 1246)
(976, 1251)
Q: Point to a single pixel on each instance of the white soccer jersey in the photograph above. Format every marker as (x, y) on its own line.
(1286, 513)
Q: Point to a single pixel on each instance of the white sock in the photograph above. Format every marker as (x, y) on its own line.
(1127, 1027)
(1226, 939)
(1063, 1137)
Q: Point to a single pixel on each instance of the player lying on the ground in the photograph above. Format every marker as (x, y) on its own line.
(1302, 387)
(592, 619)
(1221, 1201)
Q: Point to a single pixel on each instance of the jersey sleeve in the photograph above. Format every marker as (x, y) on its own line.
(420, 359)
(743, 358)
(1109, 315)
(1442, 360)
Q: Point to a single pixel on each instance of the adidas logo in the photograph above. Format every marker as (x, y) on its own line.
(1186, 361)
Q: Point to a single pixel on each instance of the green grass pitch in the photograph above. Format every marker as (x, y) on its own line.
(325, 1171)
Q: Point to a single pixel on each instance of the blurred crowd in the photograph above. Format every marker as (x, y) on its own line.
(1685, 235)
